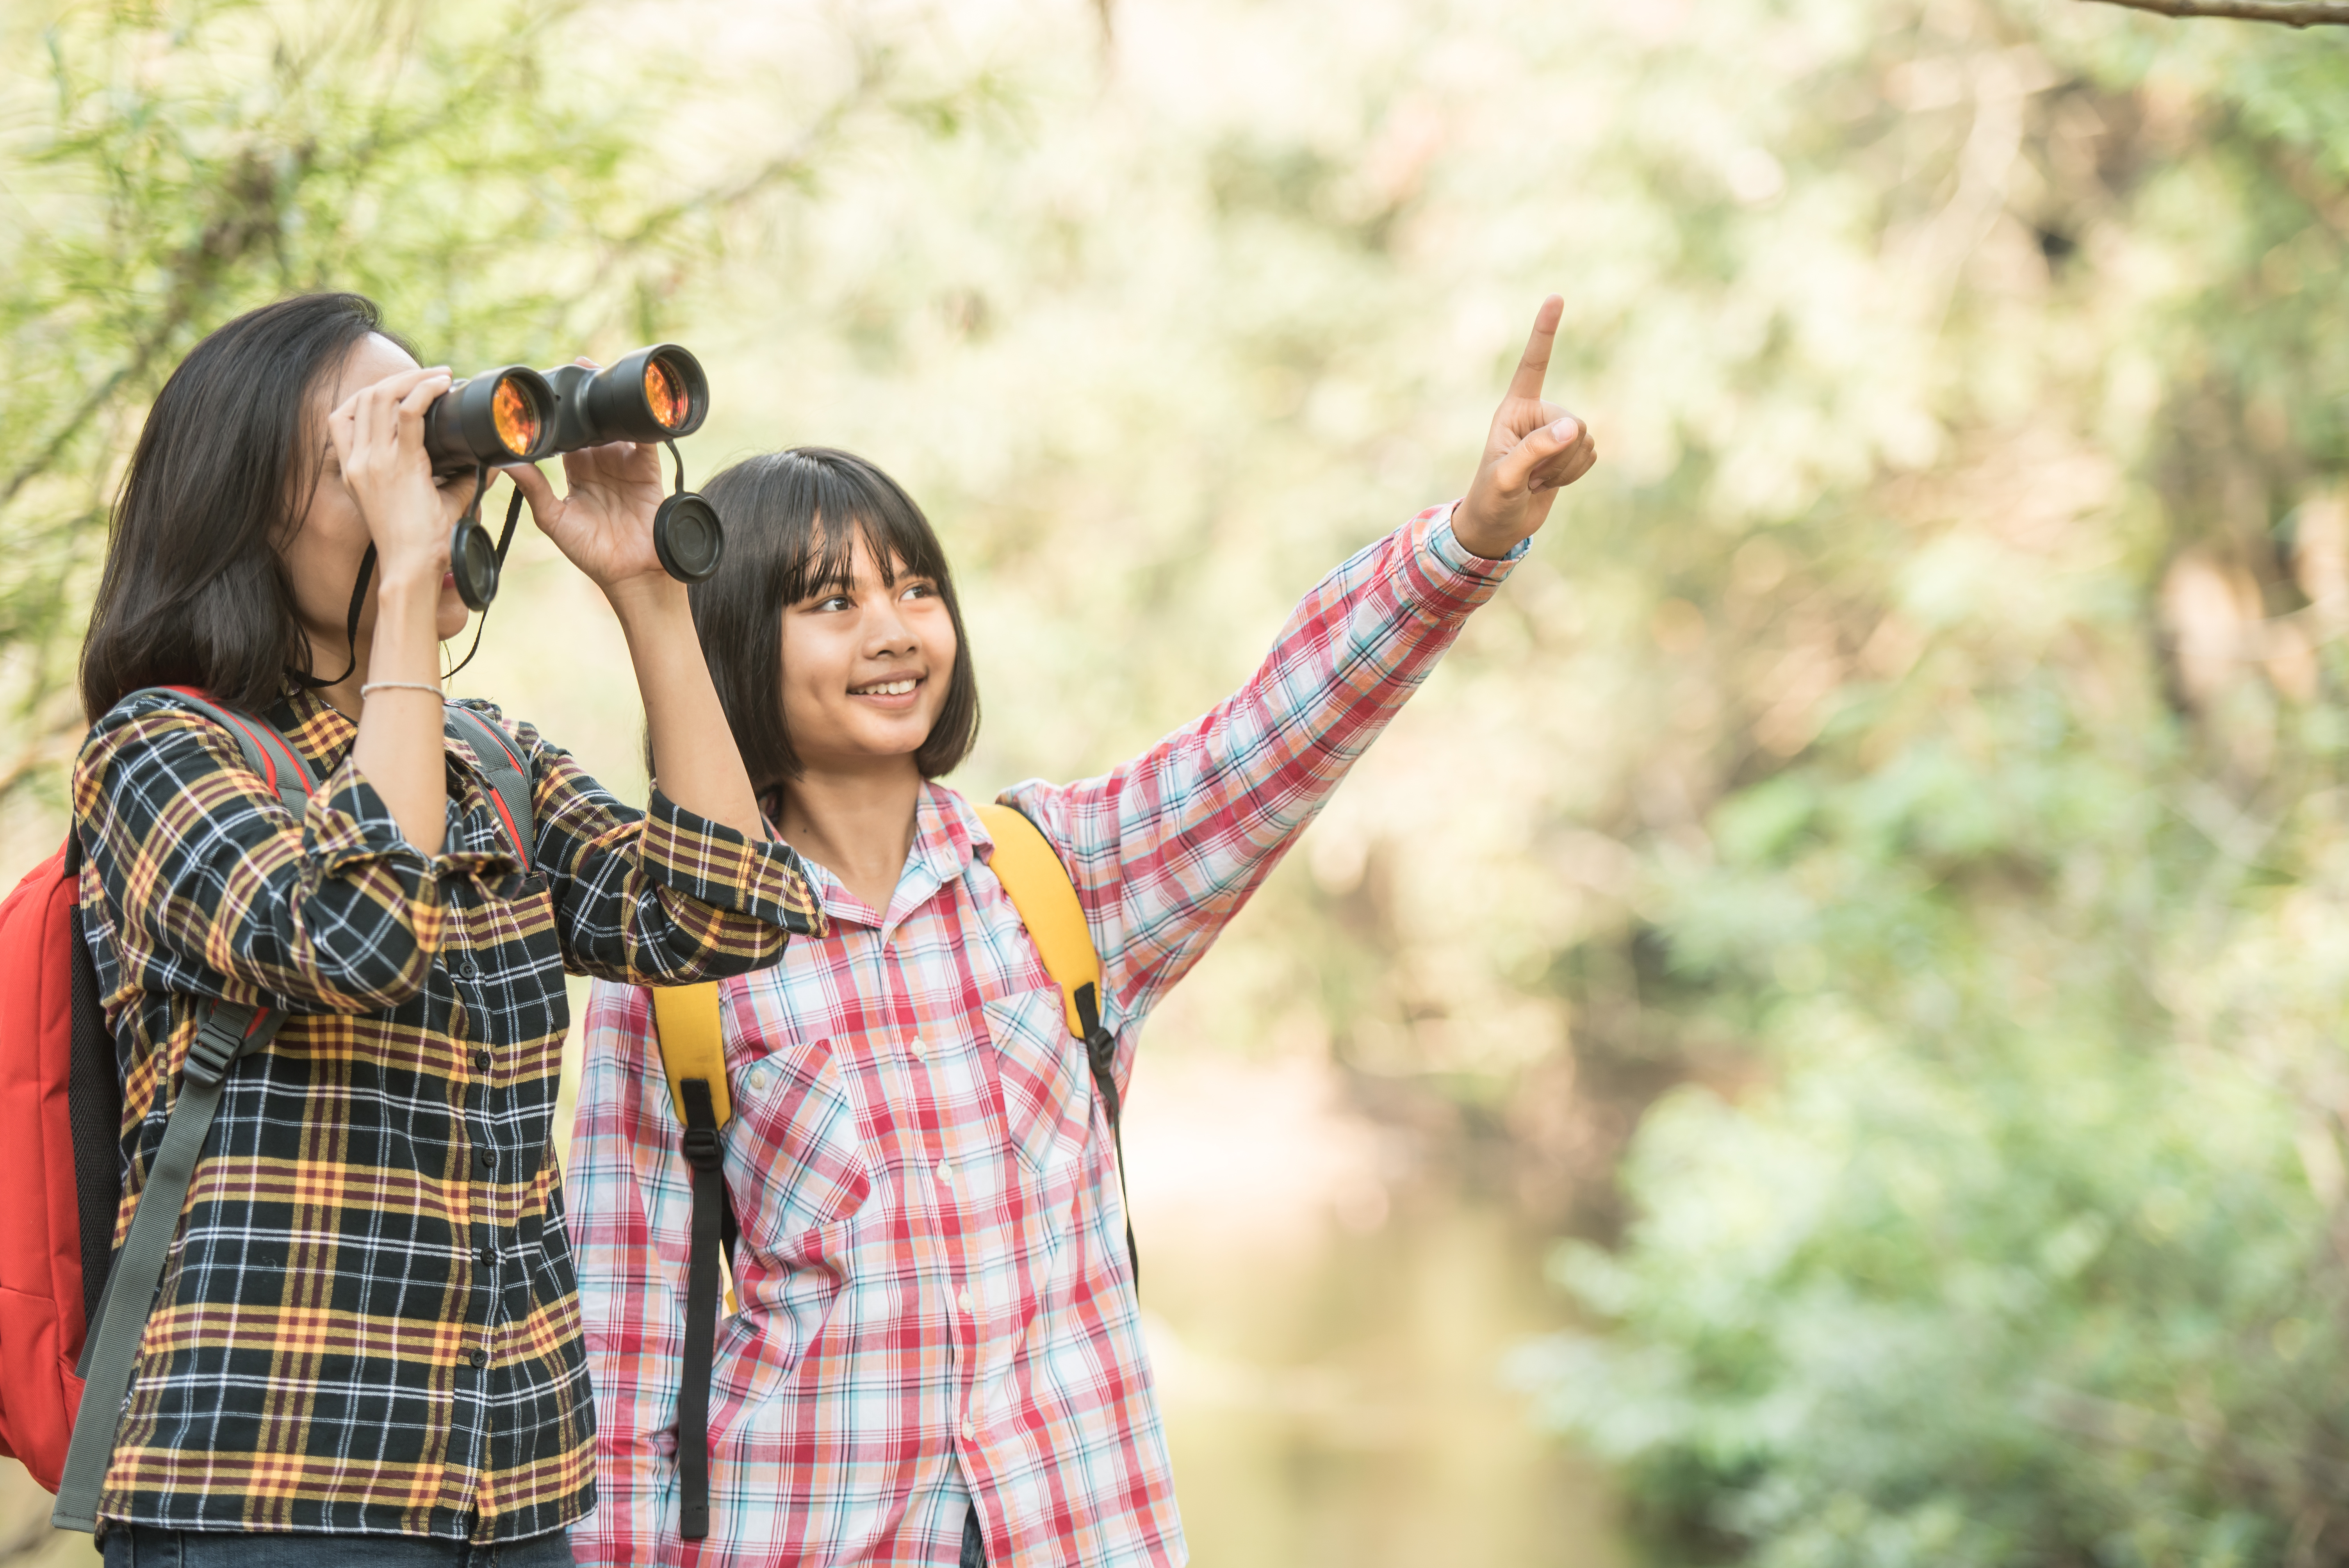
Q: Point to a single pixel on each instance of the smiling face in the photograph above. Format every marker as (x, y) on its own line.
(867, 665)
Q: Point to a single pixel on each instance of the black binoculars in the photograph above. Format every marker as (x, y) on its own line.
(517, 415)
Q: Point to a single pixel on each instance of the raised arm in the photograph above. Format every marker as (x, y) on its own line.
(1166, 849)
(603, 523)
(376, 436)
(679, 891)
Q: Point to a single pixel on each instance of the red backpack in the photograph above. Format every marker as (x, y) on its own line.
(61, 1128)
(51, 1239)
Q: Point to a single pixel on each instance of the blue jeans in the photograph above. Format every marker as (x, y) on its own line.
(136, 1546)
(974, 1544)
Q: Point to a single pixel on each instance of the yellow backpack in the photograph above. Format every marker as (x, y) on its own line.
(693, 1056)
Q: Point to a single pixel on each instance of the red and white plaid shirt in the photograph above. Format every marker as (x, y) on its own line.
(937, 1312)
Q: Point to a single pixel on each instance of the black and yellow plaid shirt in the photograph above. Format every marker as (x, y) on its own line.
(370, 1323)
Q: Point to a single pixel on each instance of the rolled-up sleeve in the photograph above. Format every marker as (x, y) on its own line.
(1166, 847)
(659, 897)
(236, 897)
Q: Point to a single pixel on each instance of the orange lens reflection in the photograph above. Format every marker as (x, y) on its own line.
(665, 395)
(513, 413)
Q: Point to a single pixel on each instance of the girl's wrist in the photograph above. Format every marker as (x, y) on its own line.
(406, 644)
(1475, 536)
(649, 599)
(406, 595)
(409, 570)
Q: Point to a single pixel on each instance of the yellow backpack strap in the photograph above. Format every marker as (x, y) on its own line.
(1047, 901)
(691, 1047)
(693, 1054)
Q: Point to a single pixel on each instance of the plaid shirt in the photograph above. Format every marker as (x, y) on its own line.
(937, 1309)
(370, 1323)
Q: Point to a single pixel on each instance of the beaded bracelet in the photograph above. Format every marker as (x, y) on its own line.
(396, 685)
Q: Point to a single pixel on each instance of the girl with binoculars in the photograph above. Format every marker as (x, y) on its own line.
(937, 1355)
(368, 1325)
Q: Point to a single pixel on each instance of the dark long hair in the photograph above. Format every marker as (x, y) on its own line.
(194, 591)
(789, 533)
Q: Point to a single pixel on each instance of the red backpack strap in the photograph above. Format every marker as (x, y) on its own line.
(266, 752)
(503, 768)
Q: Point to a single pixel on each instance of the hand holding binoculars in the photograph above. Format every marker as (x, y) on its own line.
(517, 415)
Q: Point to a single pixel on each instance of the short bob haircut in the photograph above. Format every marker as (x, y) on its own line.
(789, 535)
(194, 591)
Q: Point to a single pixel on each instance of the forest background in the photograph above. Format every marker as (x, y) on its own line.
(1866, 910)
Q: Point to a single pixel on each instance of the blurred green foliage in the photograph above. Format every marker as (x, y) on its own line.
(2024, 1239)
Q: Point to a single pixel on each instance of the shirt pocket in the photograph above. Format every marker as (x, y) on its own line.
(1039, 1067)
(797, 1165)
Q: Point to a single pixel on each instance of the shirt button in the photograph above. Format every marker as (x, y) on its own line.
(461, 967)
(481, 1359)
(964, 1298)
(969, 1429)
(488, 1158)
(490, 1253)
(921, 1052)
(945, 1174)
(483, 1061)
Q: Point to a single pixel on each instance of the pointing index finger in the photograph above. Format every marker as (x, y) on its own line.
(1531, 369)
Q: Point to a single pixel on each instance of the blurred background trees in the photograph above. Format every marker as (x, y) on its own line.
(2024, 1240)
(1879, 875)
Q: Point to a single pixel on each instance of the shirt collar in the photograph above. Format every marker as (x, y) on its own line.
(318, 729)
(946, 836)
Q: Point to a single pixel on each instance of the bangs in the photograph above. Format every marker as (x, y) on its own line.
(821, 557)
(793, 520)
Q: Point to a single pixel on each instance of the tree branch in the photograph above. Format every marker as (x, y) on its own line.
(40, 462)
(2291, 13)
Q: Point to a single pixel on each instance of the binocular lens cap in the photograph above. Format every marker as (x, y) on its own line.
(688, 538)
(473, 561)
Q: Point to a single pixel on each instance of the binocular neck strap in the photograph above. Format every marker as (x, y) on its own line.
(505, 543)
(350, 628)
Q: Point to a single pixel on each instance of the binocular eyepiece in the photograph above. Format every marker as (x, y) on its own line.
(517, 415)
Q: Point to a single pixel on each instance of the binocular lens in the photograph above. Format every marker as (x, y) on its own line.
(514, 415)
(498, 416)
(655, 394)
(665, 394)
